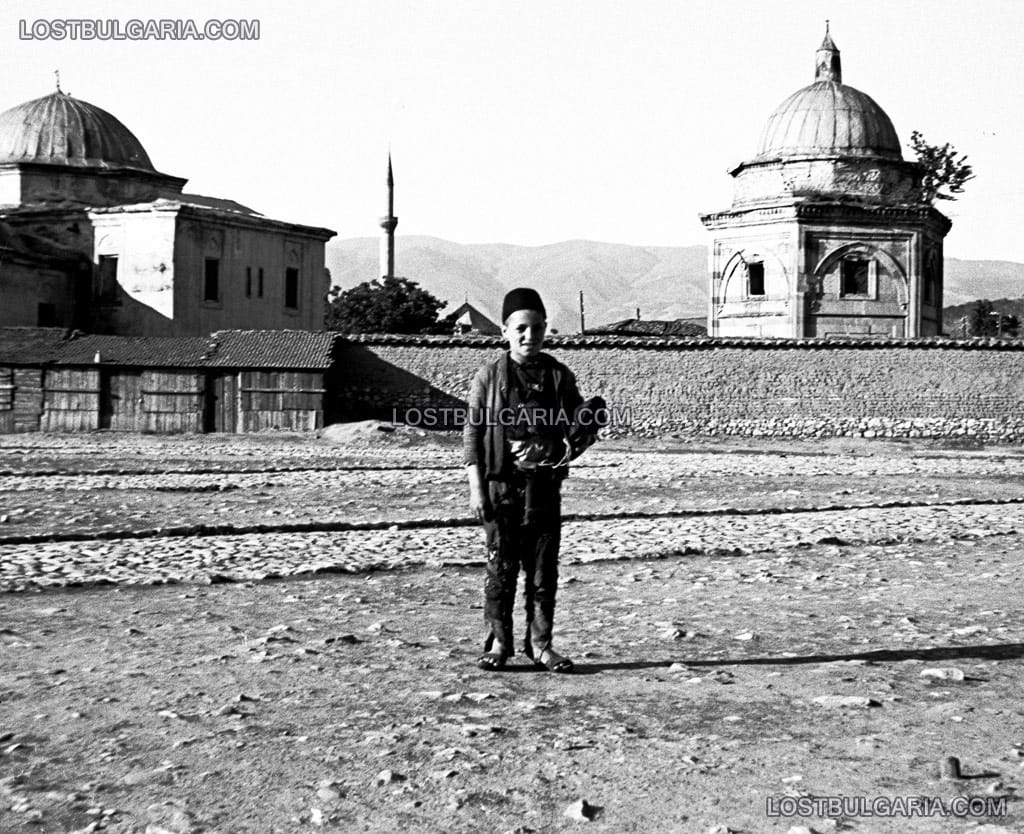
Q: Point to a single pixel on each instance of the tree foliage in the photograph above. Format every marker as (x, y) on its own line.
(985, 321)
(946, 171)
(386, 305)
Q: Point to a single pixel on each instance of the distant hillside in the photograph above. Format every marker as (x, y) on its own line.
(665, 282)
(970, 280)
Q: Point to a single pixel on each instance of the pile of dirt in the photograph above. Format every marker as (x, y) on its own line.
(375, 433)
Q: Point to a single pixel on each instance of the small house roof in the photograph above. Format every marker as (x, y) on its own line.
(292, 349)
(305, 349)
(141, 351)
(30, 345)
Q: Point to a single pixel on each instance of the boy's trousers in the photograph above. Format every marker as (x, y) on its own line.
(523, 527)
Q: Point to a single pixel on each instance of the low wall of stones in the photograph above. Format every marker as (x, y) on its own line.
(712, 387)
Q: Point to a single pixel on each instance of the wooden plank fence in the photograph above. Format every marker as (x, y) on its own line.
(69, 399)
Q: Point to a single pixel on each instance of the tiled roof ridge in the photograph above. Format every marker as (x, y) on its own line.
(690, 342)
(317, 349)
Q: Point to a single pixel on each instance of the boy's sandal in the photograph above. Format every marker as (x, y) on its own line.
(553, 662)
(492, 661)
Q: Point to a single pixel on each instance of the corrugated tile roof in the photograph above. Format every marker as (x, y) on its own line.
(138, 351)
(690, 343)
(294, 349)
(30, 345)
(272, 348)
(651, 327)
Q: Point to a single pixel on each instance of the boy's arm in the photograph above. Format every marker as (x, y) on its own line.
(582, 434)
(477, 498)
(472, 445)
(573, 398)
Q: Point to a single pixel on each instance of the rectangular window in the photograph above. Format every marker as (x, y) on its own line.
(755, 278)
(248, 282)
(259, 285)
(854, 277)
(106, 279)
(211, 280)
(291, 288)
(46, 315)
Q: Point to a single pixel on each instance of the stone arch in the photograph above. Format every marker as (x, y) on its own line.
(743, 256)
(214, 243)
(109, 244)
(860, 247)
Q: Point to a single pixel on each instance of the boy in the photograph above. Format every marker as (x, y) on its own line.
(521, 431)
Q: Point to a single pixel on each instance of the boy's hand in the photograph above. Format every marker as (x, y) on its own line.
(477, 502)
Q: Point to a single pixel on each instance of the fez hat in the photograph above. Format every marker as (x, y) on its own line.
(522, 298)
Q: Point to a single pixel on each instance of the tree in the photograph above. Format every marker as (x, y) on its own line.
(985, 321)
(946, 171)
(386, 305)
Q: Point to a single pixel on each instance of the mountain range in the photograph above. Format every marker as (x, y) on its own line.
(664, 282)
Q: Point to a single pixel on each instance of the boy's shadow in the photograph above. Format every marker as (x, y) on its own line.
(1004, 651)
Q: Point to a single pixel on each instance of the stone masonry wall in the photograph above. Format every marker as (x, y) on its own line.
(784, 388)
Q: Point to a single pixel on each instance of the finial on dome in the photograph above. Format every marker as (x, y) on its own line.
(56, 72)
(827, 66)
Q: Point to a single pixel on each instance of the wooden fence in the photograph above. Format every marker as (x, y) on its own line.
(60, 399)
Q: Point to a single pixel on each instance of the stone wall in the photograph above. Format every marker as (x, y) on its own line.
(785, 388)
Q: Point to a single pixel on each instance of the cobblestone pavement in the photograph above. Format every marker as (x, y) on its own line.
(145, 510)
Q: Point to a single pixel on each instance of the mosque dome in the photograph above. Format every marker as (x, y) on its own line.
(60, 130)
(828, 119)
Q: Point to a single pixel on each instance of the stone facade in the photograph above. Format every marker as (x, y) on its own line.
(162, 262)
(804, 255)
(164, 251)
(828, 234)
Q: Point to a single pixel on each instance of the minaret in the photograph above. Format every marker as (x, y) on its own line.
(827, 66)
(388, 224)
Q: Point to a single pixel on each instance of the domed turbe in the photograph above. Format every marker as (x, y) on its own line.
(829, 118)
(60, 130)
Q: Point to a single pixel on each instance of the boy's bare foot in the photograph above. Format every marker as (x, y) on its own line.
(493, 660)
(554, 662)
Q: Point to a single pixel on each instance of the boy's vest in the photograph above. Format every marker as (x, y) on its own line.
(496, 388)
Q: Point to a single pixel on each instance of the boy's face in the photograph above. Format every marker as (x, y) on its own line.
(525, 330)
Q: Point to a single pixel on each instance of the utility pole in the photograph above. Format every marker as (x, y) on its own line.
(583, 320)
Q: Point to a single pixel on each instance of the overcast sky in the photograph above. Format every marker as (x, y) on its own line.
(536, 121)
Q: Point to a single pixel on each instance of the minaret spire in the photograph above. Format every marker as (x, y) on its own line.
(388, 224)
(827, 66)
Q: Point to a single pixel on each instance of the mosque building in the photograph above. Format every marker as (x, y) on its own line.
(93, 236)
(828, 233)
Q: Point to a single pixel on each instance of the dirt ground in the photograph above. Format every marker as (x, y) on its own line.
(713, 691)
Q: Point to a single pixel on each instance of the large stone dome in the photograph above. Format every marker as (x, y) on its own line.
(60, 130)
(828, 119)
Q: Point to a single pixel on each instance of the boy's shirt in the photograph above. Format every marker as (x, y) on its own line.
(531, 400)
(537, 428)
